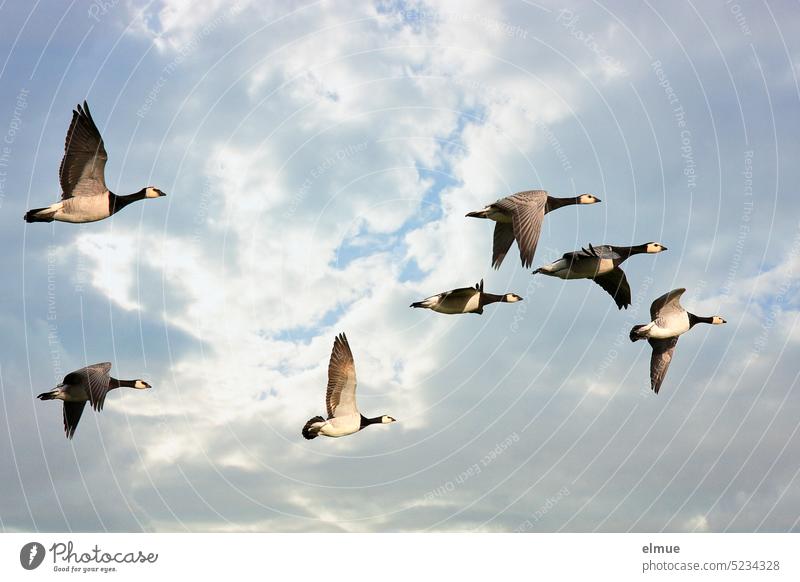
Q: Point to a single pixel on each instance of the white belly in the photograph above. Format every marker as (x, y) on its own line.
(564, 269)
(341, 426)
(82, 209)
(674, 327)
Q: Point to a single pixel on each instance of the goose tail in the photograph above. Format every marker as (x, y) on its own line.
(634, 335)
(310, 431)
(40, 215)
(427, 303)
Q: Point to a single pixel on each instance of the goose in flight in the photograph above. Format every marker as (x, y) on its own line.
(669, 320)
(84, 194)
(91, 384)
(601, 264)
(464, 300)
(340, 400)
(519, 217)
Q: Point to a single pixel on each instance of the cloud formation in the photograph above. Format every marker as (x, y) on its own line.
(318, 163)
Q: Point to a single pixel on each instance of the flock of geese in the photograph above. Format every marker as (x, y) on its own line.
(85, 197)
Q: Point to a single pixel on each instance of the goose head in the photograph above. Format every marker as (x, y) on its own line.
(511, 298)
(141, 385)
(717, 320)
(386, 419)
(588, 199)
(153, 192)
(654, 247)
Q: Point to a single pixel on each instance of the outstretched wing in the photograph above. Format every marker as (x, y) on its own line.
(72, 415)
(503, 237)
(668, 302)
(95, 379)
(616, 284)
(341, 395)
(527, 212)
(660, 360)
(82, 171)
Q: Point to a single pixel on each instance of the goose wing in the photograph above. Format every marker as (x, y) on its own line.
(594, 252)
(72, 415)
(503, 237)
(95, 379)
(341, 395)
(82, 171)
(660, 360)
(667, 304)
(616, 284)
(527, 211)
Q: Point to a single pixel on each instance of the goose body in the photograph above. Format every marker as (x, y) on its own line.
(84, 194)
(464, 300)
(344, 417)
(669, 321)
(89, 384)
(601, 264)
(519, 217)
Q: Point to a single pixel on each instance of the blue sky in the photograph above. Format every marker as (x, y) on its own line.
(318, 161)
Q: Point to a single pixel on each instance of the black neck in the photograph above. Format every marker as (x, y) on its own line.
(556, 203)
(114, 383)
(628, 251)
(487, 298)
(695, 319)
(368, 421)
(117, 203)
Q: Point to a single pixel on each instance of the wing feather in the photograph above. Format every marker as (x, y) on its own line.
(527, 211)
(503, 237)
(667, 303)
(663, 349)
(72, 415)
(616, 284)
(340, 398)
(82, 171)
(95, 379)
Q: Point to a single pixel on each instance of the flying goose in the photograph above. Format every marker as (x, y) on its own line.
(84, 194)
(669, 320)
(601, 264)
(91, 384)
(464, 300)
(519, 217)
(340, 399)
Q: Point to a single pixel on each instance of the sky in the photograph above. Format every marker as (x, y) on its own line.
(318, 161)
